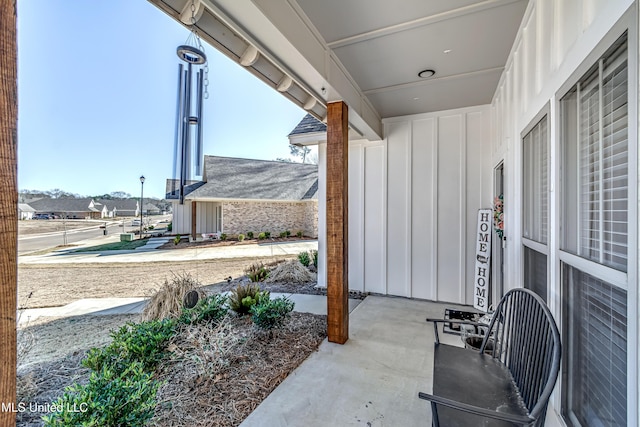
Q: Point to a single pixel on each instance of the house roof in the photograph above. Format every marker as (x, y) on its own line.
(119, 204)
(234, 178)
(23, 207)
(309, 124)
(63, 205)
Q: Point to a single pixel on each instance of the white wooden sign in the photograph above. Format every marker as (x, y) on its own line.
(481, 291)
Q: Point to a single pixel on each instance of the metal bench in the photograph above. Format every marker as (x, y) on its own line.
(510, 385)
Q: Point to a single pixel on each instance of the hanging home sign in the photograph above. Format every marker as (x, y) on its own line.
(483, 255)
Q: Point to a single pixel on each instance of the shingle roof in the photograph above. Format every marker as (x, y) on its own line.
(233, 178)
(23, 207)
(309, 124)
(62, 205)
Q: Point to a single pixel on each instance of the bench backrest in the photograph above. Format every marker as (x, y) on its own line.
(528, 345)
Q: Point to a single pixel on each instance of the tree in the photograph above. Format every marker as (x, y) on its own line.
(300, 151)
(8, 211)
(120, 195)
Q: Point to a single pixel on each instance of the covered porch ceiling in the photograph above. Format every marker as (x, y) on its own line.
(368, 53)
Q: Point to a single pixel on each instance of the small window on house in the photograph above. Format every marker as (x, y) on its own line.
(535, 209)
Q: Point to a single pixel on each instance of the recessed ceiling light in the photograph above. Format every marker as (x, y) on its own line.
(446, 51)
(425, 74)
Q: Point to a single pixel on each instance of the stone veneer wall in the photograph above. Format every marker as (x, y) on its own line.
(275, 217)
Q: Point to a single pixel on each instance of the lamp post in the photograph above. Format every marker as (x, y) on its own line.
(141, 201)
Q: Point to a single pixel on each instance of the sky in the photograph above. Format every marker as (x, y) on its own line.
(97, 83)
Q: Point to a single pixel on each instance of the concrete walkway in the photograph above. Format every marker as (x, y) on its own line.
(372, 380)
(149, 253)
(316, 304)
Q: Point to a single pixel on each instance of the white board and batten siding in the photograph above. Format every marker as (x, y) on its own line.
(206, 217)
(413, 200)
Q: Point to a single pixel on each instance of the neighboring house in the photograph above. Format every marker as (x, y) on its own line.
(120, 207)
(25, 211)
(83, 208)
(241, 195)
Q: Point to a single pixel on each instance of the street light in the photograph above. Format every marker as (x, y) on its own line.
(141, 201)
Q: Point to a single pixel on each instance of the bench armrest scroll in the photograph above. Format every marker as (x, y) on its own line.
(512, 418)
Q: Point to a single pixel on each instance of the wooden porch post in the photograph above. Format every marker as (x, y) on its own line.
(194, 218)
(337, 223)
(8, 210)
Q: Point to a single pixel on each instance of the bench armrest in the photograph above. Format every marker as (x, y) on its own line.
(512, 418)
(458, 322)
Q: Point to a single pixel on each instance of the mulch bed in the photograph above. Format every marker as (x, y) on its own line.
(185, 244)
(212, 375)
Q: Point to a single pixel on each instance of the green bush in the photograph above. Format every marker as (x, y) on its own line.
(257, 272)
(151, 227)
(299, 234)
(283, 234)
(110, 399)
(243, 297)
(287, 233)
(176, 240)
(314, 257)
(304, 258)
(262, 236)
(267, 234)
(250, 234)
(142, 342)
(240, 237)
(170, 227)
(269, 314)
(210, 309)
(223, 236)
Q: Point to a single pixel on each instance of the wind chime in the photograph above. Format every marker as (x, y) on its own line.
(188, 146)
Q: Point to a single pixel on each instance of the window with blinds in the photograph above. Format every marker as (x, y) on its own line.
(595, 161)
(594, 226)
(535, 146)
(596, 362)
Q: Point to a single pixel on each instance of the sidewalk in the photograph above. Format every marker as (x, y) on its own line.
(316, 304)
(149, 253)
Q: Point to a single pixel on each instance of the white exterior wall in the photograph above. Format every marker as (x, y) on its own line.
(557, 42)
(413, 202)
(205, 217)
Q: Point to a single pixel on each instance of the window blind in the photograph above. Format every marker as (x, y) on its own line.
(536, 182)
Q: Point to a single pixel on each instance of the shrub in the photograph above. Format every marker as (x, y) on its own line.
(283, 234)
(151, 227)
(176, 240)
(262, 236)
(257, 272)
(110, 399)
(299, 234)
(314, 257)
(142, 342)
(210, 309)
(169, 299)
(287, 233)
(267, 234)
(304, 258)
(268, 314)
(244, 297)
(223, 236)
(240, 237)
(250, 234)
(170, 227)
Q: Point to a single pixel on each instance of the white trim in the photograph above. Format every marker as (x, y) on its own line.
(434, 216)
(409, 218)
(601, 272)
(536, 246)
(206, 199)
(462, 288)
(385, 203)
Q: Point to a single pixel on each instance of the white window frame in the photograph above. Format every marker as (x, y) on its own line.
(626, 280)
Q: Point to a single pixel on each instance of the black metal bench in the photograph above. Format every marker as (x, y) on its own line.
(504, 386)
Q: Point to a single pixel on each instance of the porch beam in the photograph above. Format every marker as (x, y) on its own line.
(194, 218)
(8, 211)
(337, 220)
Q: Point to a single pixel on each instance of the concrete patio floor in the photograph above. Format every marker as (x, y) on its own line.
(372, 380)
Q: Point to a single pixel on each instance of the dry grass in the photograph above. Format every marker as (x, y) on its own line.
(168, 301)
(291, 271)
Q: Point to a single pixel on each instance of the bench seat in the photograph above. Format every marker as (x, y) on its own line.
(487, 383)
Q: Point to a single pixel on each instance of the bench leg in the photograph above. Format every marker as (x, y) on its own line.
(434, 415)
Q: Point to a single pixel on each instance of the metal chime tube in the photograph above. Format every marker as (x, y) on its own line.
(187, 115)
(199, 141)
(176, 143)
